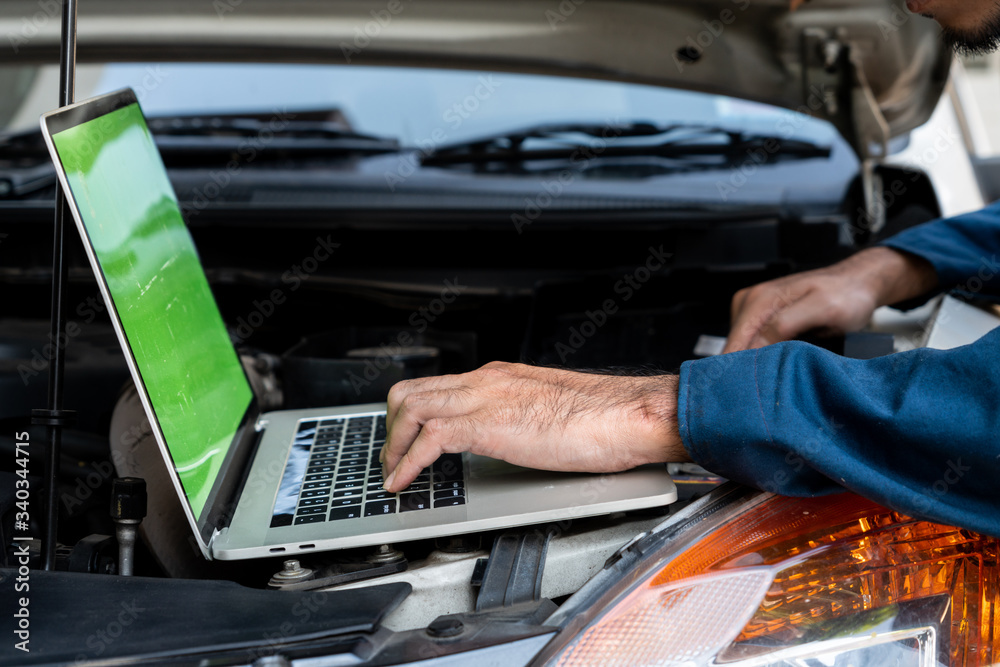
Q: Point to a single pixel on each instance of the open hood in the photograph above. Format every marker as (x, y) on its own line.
(869, 66)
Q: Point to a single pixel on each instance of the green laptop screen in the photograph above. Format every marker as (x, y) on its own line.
(177, 337)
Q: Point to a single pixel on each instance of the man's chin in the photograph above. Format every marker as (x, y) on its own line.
(976, 38)
(974, 43)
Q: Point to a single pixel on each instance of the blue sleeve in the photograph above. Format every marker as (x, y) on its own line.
(963, 250)
(916, 431)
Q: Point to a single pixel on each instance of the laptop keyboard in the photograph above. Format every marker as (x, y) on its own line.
(333, 473)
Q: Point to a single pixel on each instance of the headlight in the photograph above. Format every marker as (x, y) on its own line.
(752, 579)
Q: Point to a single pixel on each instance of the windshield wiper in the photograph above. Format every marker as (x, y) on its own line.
(198, 140)
(301, 133)
(557, 142)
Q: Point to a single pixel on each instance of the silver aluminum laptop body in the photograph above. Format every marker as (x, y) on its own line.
(229, 462)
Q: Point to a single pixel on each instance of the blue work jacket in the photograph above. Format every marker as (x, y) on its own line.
(917, 431)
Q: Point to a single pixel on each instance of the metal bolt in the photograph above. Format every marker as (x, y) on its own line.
(442, 628)
(385, 554)
(292, 572)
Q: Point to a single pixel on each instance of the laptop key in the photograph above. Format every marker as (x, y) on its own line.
(322, 461)
(350, 469)
(343, 502)
(317, 509)
(379, 495)
(352, 512)
(279, 520)
(318, 476)
(312, 518)
(317, 485)
(449, 502)
(380, 507)
(315, 493)
(348, 485)
(441, 486)
(347, 493)
(307, 502)
(448, 469)
(418, 486)
(449, 493)
(409, 502)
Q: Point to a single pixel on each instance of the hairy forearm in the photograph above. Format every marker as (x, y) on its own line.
(658, 409)
(546, 418)
(894, 276)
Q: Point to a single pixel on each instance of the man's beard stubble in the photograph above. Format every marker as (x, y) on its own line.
(983, 39)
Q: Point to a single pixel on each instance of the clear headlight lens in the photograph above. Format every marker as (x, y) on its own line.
(832, 581)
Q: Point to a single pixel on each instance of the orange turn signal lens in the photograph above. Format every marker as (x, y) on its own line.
(832, 580)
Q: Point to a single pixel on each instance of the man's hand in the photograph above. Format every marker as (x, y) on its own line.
(541, 418)
(836, 299)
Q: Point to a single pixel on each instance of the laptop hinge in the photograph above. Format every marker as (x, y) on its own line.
(211, 541)
(226, 517)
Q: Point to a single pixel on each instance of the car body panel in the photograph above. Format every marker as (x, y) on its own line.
(869, 49)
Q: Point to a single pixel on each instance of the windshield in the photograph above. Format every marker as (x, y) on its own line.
(419, 107)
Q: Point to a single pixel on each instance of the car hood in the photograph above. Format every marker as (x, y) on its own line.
(869, 66)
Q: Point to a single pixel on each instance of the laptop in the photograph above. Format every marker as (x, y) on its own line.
(279, 483)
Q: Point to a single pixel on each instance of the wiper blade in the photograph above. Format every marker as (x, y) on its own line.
(312, 132)
(555, 142)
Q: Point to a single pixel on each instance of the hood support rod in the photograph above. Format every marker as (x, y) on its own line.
(55, 417)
